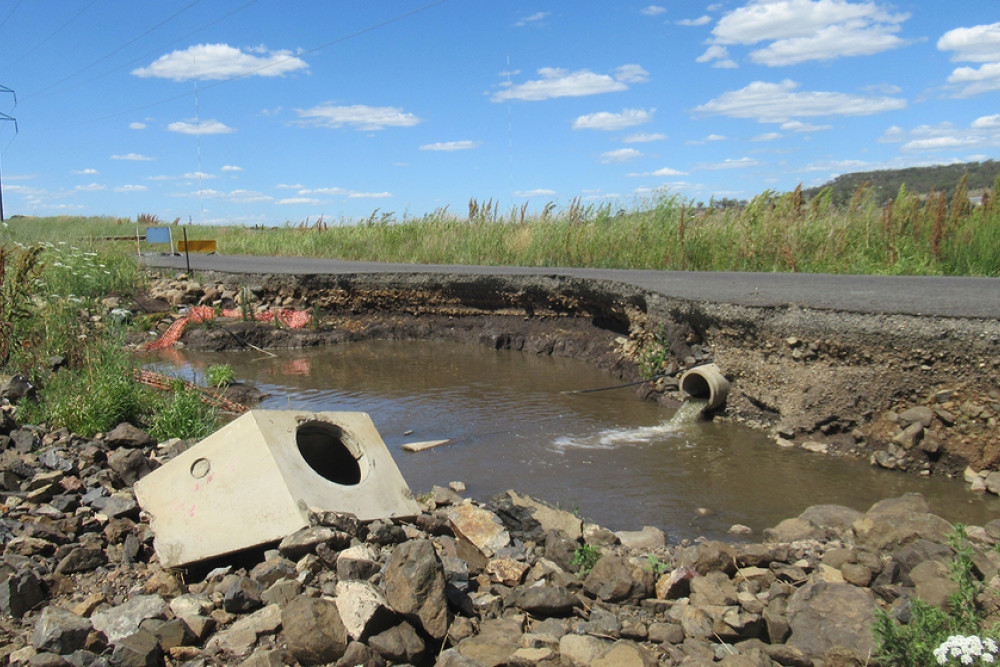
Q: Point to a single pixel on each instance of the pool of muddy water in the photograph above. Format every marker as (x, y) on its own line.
(612, 458)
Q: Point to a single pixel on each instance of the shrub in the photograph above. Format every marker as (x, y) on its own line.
(183, 415)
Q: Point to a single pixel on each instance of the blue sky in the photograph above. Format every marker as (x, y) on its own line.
(267, 112)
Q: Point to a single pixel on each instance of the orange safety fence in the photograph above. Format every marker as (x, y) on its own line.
(161, 381)
(293, 319)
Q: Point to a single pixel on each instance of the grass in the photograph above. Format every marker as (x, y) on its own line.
(910, 234)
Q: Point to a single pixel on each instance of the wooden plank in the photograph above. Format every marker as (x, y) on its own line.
(421, 446)
(197, 246)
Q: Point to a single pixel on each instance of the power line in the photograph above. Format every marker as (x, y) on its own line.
(51, 35)
(4, 116)
(11, 13)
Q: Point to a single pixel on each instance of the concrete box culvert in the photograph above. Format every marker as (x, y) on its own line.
(259, 478)
(707, 382)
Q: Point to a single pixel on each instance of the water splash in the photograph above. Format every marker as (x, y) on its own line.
(689, 413)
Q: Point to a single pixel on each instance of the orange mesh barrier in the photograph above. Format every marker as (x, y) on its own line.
(293, 319)
(161, 381)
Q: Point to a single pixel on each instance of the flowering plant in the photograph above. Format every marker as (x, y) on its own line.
(971, 650)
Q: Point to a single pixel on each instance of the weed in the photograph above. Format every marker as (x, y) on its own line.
(585, 558)
(183, 415)
(657, 566)
(220, 375)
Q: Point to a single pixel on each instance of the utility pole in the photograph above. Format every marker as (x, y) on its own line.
(3, 116)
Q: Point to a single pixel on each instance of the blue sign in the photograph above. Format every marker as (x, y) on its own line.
(157, 235)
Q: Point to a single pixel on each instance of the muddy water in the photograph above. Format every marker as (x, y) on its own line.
(618, 461)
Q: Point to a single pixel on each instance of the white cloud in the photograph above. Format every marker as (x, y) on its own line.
(131, 188)
(799, 126)
(606, 120)
(92, 187)
(219, 62)
(884, 88)
(86, 172)
(779, 103)
(805, 30)
(841, 166)
(620, 155)
(539, 192)
(357, 116)
(558, 82)
(643, 138)
(701, 20)
(248, 197)
(201, 127)
(730, 163)
(715, 137)
(720, 56)
(653, 10)
(285, 186)
(135, 157)
(982, 133)
(631, 74)
(534, 18)
(200, 175)
(137, 126)
(978, 44)
(450, 146)
(665, 171)
(324, 191)
(231, 167)
(370, 195)
(769, 136)
(297, 200)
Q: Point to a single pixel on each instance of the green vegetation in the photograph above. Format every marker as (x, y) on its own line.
(220, 375)
(182, 415)
(585, 558)
(900, 645)
(885, 184)
(54, 305)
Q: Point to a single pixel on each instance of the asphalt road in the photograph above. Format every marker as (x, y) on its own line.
(909, 295)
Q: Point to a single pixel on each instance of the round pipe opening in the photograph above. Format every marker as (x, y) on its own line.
(706, 382)
(327, 449)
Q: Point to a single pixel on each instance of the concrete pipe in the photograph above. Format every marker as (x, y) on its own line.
(706, 382)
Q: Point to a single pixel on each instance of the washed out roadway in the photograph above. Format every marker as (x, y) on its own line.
(964, 297)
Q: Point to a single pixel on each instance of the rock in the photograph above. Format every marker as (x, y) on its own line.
(909, 436)
(60, 631)
(314, 631)
(506, 571)
(357, 562)
(139, 649)
(715, 588)
(823, 616)
(305, 541)
(130, 464)
(81, 559)
(399, 644)
(581, 650)
(617, 579)
(546, 600)
(127, 435)
(708, 556)
(932, 583)
(920, 415)
(992, 482)
(415, 586)
(121, 621)
(816, 447)
(480, 527)
(363, 609)
(831, 517)
(649, 538)
(20, 592)
(625, 653)
(242, 596)
(793, 530)
(548, 517)
(241, 636)
(497, 640)
(676, 584)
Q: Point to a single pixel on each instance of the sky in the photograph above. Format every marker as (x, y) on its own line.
(268, 112)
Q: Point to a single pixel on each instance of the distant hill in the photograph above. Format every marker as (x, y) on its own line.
(919, 180)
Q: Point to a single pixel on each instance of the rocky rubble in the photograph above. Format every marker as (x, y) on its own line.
(464, 584)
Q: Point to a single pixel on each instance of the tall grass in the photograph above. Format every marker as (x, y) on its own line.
(935, 234)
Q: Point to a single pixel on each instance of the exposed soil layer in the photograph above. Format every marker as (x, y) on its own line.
(837, 381)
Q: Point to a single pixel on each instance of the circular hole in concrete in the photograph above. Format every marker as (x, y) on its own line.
(324, 448)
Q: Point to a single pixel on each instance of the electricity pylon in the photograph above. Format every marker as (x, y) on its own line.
(3, 116)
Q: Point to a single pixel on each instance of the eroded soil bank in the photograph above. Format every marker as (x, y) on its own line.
(844, 383)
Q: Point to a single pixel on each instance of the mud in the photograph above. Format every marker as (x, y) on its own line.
(828, 379)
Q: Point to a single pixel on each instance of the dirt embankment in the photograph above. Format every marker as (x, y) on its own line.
(845, 383)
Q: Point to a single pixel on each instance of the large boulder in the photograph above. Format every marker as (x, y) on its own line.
(618, 579)
(823, 616)
(415, 586)
(314, 631)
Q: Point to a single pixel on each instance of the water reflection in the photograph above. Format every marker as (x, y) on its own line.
(618, 461)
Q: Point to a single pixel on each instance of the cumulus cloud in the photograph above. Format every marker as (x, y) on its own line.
(976, 44)
(768, 136)
(984, 132)
(620, 155)
(200, 127)
(91, 187)
(798, 31)
(799, 126)
(231, 167)
(665, 171)
(718, 56)
(644, 138)
(131, 188)
(370, 195)
(85, 172)
(356, 116)
(219, 62)
(701, 20)
(653, 10)
(450, 146)
(558, 82)
(781, 102)
(135, 157)
(606, 120)
(297, 200)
